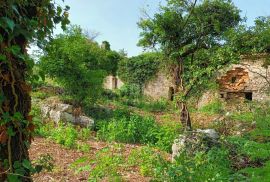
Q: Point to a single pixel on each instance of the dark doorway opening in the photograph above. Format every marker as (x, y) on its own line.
(233, 79)
(248, 95)
(222, 96)
(114, 83)
(171, 94)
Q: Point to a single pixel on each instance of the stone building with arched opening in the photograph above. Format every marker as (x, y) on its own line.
(248, 80)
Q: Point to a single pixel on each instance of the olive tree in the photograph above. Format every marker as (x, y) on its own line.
(183, 29)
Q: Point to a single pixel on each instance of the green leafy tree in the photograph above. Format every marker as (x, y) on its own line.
(254, 39)
(184, 29)
(21, 22)
(77, 63)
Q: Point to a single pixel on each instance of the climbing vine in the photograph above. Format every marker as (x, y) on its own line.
(139, 69)
(21, 22)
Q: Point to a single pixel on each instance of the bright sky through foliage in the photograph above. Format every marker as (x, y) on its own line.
(116, 20)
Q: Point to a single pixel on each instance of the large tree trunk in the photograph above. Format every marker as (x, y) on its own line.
(180, 89)
(15, 99)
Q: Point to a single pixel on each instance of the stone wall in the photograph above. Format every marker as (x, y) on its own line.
(112, 82)
(161, 86)
(235, 82)
(246, 77)
(239, 81)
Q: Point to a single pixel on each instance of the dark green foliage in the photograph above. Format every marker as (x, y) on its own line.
(135, 129)
(106, 164)
(139, 69)
(211, 166)
(258, 174)
(153, 105)
(112, 59)
(254, 147)
(147, 159)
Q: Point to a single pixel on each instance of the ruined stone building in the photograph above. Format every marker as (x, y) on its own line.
(247, 80)
(161, 86)
(112, 82)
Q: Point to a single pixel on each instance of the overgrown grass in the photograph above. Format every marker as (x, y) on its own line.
(241, 158)
(138, 129)
(107, 163)
(64, 134)
(215, 107)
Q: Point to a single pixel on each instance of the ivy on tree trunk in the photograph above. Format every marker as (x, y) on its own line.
(20, 22)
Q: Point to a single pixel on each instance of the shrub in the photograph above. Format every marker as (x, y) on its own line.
(153, 106)
(139, 69)
(65, 135)
(146, 159)
(211, 166)
(109, 94)
(257, 174)
(166, 135)
(243, 116)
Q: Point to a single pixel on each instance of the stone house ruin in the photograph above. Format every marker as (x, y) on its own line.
(248, 80)
(161, 86)
(112, 82)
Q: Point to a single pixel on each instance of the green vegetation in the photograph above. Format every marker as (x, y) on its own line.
(137, 129)
(133, 134)
(21, 22)
(139, 69)
(191, 35)
(77, 64)
(215, 107)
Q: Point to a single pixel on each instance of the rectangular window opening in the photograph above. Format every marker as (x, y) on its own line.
(248, 95)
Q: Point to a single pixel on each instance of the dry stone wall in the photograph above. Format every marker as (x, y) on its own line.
(159, 87)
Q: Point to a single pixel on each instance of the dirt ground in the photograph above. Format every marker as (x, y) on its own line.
(63, 158)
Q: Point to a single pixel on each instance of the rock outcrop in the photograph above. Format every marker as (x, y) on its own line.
(191, 142)
(59, 112)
